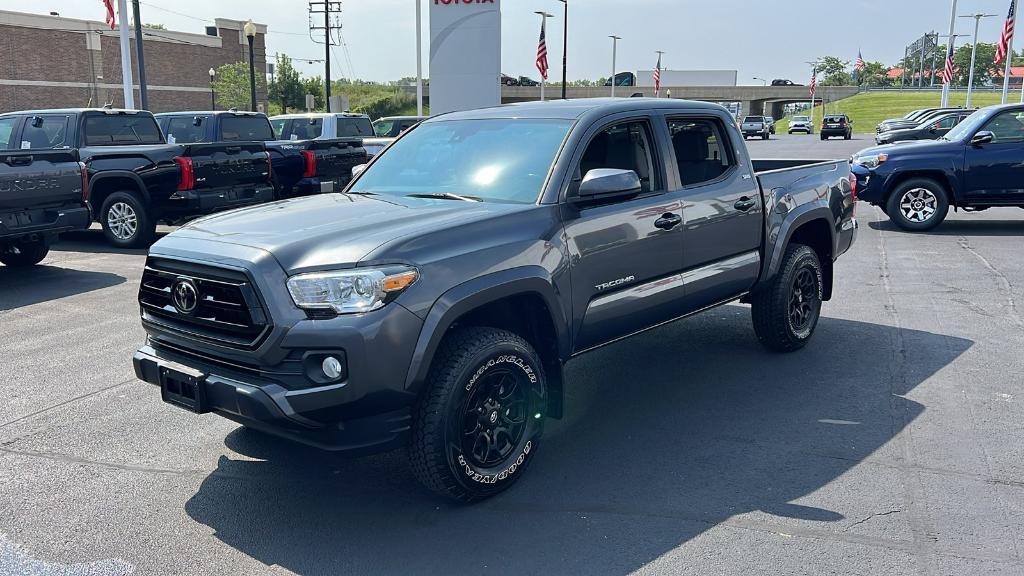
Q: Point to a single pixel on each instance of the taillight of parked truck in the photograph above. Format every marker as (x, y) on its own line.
(187, 176)
(84, 171)
(270, 168)
(310, 157)
(853, 191)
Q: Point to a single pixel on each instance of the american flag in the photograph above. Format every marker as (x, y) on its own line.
(111, 20)
(859, 65)
(950, 69)
(657, 77)
(1003, 49)
(542, 52)
(814, 82)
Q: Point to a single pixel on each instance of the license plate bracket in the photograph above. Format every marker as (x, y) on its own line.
(184, 390)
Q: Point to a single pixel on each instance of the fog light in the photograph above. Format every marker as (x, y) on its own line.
(331, 367)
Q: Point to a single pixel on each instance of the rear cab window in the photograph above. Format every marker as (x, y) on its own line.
(103, 129)
(354, 127)
(245, 129)
(186, 129)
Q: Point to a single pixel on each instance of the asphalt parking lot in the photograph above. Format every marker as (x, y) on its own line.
(893, 444)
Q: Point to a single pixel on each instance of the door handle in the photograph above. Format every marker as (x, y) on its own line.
(744, 204)
(668, 221)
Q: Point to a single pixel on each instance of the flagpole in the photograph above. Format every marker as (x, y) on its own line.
(1009, 58)
(126, 56)
(952, 31)
(419, 58)
(657, 89)
(543, 34)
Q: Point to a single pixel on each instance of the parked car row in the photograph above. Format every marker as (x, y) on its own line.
(928, 126)
(978, 164)
(129, 170)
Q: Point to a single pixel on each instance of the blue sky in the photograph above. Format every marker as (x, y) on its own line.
(765, 38)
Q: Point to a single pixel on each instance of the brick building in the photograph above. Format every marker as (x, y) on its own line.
(55, 62)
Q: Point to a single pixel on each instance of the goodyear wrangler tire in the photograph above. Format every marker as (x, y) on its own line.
(476, 425)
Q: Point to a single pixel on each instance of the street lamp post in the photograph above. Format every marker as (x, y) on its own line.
(615, 46)
(974, 52)
(565, 43)
(213, 93)
(765, 85)
(419, 57)
(543, 26)
(250, 33)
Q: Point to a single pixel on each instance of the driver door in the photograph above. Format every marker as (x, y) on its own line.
(994, 172)
(625, 253)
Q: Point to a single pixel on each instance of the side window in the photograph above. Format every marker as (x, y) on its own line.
(183, 129)
(44, 132)
(946, 123)
(383, 128)
(701, 149)
(625, 146)
(1008, 127)
(7, 132)
(278, 126)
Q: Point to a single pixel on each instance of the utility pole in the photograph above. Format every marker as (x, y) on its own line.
(325, 7)
(974, 52)
(419, 57)
(935, 53)
(126, 56)
(565, 44)
(952, 31)
(615, 46)
(142, 55)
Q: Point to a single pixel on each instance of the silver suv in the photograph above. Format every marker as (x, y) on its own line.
(801, 124)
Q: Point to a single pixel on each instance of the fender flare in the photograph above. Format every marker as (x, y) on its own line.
(793, 220)
(476, 293)
(108, 174)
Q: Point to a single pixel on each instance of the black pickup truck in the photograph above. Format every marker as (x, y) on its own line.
(434, 303)
(136, 179)
(42, 193)
(301, 167)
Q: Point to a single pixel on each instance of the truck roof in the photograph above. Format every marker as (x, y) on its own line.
(212, 113)
(77, 111)
(322, 115)
(577, 108)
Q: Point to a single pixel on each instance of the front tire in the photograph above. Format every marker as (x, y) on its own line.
(25, 254)
(126, 222)
(786, 312)
(476, 425)
(919, 204)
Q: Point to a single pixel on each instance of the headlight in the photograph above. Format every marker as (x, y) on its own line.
(350, 291)
(872, 161)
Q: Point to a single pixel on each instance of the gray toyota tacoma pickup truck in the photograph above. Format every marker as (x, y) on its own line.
(434, 302)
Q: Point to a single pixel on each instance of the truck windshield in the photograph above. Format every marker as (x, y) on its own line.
(121, 129)
(968, 127)
(500, 160)
(245, 129)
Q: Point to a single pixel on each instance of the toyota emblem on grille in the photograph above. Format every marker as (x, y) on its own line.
(185, 295)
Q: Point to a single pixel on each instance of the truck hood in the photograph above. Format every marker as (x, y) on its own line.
(332, 230)
(913, 147)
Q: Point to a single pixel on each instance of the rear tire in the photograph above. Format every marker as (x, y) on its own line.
(917, 205)
(126, 222)
(25, 254)
(477, 422)
(786, 312)
(765, 136)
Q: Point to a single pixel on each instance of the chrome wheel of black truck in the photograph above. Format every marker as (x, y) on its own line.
(476, 426)
(786, 312)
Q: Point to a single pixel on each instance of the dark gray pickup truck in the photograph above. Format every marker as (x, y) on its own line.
(434, 303)
(42, 193)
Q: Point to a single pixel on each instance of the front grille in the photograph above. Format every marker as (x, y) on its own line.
(227, 310)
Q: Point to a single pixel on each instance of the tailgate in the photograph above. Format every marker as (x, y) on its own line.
(38, 179)
(223, 164)
(335, 158)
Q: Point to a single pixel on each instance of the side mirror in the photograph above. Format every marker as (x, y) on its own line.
(358, 169)
(604, 183)
(983, 137)
(37, 121)
(197, 121)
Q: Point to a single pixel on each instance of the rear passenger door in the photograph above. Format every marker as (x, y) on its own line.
(625, 253)
(722, 209)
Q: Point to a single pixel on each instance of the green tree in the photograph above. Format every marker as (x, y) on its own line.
(874, 74)
(985, 67)
(314, 86)
(232, 85)
(287, 89)
(833, 71)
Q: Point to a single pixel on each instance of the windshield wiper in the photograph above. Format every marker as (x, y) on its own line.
(443, 196)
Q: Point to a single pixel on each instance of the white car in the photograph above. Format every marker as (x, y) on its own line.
(801, 124)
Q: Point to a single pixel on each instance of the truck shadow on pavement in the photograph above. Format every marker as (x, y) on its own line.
(669, 434)
(961, 228)
(26, 286)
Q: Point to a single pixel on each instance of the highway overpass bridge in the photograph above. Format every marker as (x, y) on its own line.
(753, 99)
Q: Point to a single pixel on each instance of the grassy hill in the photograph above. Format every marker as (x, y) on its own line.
(869, 108)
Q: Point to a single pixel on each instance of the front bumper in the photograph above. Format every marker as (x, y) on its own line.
(207, 201)
(47, 221)
(267, 406)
